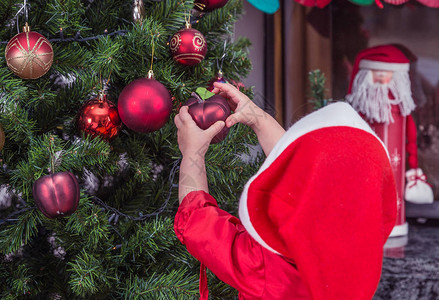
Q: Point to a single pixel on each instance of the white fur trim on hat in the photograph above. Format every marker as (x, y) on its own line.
(335, 114)
(380, 65)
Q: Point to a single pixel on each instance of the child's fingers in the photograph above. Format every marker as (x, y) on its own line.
(215, 129)
(184, 115)
(215, 90)
(229, 90)
(232, 120)
(177, 121)
(232, 104)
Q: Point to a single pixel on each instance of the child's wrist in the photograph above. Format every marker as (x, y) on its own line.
(259, 122)
(194, 155)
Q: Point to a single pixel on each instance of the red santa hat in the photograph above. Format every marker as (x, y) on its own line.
(375, 106)
(385, 57)
(325, 198)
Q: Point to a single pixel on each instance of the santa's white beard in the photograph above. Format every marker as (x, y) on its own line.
(372, 99)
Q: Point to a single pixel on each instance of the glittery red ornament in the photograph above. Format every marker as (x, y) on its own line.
(144, 105)
(29, 54)
(56, 195)
(219, 78)
(206, 112)
(99, 117)
(188, 46)
(209, 5)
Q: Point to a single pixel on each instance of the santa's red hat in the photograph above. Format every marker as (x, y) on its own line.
(385, 57)
(325, 199)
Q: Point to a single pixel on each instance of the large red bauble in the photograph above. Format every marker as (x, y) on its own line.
(144, 105)
(206, 113)
(99, 117)
(56, 195)
(188, 46)
(29, 54)
(209, 5)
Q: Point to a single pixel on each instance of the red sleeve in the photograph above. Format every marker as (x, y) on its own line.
(411, 146)
(220, 242)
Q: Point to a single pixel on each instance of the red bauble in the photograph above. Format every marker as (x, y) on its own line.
(56, 195)
(219, 78)
(206, 112)
(188, 46)
(145, 105)
(29, 54)
(99, 117)
(209, 5)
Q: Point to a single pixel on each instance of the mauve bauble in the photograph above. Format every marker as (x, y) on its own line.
(206, 112)
(56, 195)
(144, 105)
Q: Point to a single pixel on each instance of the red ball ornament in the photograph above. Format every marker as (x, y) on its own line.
(209, 5)
(99, 117)
(56, 195)
(29, 54)
(145, 105)
(219, 78)
(206, 112)
(188, 46)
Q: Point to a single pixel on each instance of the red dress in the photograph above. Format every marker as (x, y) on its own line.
(220, 242)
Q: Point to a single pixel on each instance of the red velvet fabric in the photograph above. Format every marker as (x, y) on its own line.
(329, 203)
(220, 242)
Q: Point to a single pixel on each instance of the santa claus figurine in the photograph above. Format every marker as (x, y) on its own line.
(380, 91)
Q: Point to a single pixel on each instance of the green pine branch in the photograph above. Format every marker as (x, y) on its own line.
(88, 275)
(176, 284)
(18, 234)
(317, 84)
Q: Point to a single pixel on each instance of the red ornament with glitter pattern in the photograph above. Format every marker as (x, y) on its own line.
(188, 46)
(29, 54)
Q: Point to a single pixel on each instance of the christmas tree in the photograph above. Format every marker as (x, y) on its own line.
(118, 241)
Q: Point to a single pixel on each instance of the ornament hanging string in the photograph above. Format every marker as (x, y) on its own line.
(104, 88)
(23, 8)
(53, 156)
(138, 11)
(187, 18)
(220, 66)
(152, 51)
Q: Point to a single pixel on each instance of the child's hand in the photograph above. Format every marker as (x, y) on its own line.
(245, 111)
(193, 140)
